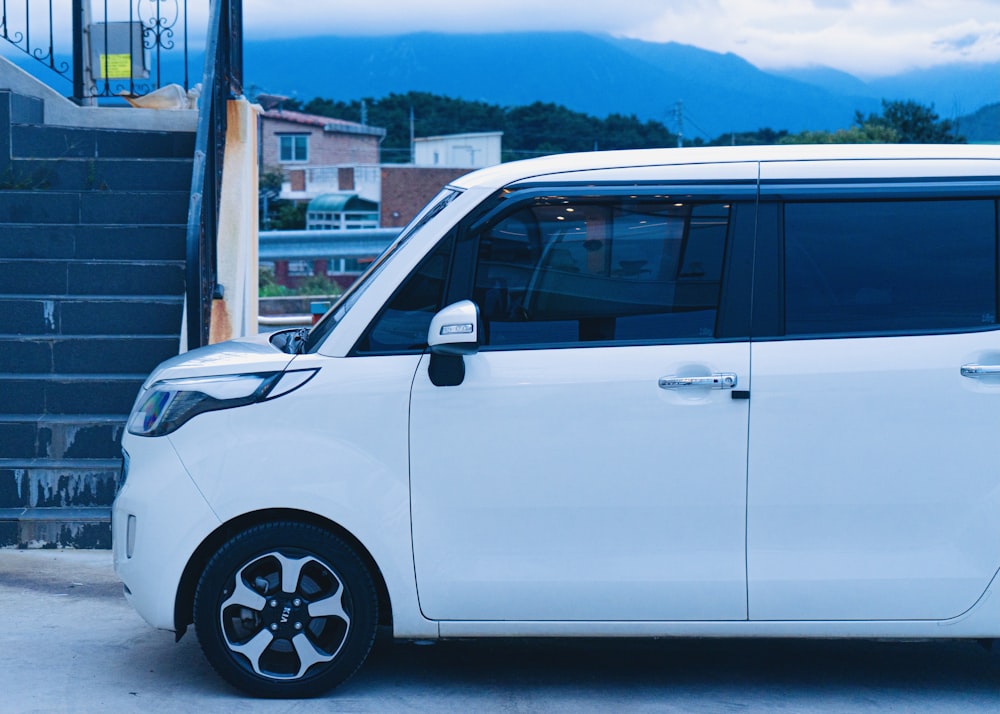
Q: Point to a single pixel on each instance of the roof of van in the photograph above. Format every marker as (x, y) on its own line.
(504, 174)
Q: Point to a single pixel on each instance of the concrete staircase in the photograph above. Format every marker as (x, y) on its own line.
(92, 256)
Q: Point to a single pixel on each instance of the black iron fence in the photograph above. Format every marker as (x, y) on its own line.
(104, 48)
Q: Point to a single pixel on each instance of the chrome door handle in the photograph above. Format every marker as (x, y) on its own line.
(720, 380)
(980, 370)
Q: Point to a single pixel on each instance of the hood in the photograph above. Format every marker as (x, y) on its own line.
(240, 356)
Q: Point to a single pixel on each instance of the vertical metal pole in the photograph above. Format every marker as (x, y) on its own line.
(159, 44)
(52, 39)
(187, 79)
(235, 74)
(78, 28)
(131, 47)
(105, 51)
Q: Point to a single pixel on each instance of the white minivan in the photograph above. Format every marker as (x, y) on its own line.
(684, 392)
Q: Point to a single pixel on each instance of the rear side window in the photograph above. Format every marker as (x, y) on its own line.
(890, 266)
(574, 270)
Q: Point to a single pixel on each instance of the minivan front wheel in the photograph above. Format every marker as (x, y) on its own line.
(285, 610)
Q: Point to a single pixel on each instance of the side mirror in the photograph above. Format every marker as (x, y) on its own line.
(455, 330)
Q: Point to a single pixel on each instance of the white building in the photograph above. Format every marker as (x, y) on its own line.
(472, 151)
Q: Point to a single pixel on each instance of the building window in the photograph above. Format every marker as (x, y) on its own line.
(293, 147)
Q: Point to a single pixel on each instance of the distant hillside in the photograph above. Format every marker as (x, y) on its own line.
(592, 74)
(601, 75)
(983, 125)
(953, 90)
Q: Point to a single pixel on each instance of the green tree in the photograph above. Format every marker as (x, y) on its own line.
(287, 216)
(761, 137)
(866, 134)
(912, 122)
(538, 128)
(268, 190)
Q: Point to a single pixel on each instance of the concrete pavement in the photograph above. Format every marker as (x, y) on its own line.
(70, 643)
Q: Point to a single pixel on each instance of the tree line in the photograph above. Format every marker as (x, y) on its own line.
(545, 128)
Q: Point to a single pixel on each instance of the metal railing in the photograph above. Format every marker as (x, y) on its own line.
(324, 244)
(82, 49)
(222, 81)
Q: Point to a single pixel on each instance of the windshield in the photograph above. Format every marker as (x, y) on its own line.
(340, 308)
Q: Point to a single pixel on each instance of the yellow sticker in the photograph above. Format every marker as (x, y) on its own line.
(116, 66)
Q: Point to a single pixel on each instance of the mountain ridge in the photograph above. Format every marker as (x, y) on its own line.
(603, 75)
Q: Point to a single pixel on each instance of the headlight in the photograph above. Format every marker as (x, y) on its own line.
(169, 404)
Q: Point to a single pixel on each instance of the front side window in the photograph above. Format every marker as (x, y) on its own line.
(564, 271)
(402, 326)
(347, 301)
(293, 147)
(889, 266)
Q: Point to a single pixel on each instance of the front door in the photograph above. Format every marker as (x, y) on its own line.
(592, 463)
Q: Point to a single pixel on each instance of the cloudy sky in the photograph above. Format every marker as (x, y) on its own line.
(868, 38)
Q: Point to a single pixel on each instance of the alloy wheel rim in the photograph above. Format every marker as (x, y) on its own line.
(282, 614)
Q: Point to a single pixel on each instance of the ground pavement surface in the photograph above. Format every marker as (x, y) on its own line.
(70, 643)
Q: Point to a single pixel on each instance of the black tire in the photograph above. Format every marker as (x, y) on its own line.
(271, 643)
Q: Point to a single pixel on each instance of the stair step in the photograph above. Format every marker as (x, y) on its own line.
(75, 174)
(117, 242)
(69, 393)
(56, 527)
(91, 277)
(71, 316)
(28, 436)
(94, 207)
(32, 141)
(25, 110)
(94, 514)
(53, 484)
(86, 354)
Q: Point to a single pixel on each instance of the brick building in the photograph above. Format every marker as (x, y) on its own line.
(407, 188)
(295, 142)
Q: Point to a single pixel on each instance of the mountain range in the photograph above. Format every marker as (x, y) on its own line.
(700, 93)
(601, 75)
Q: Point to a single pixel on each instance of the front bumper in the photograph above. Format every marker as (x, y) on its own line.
(158, 519)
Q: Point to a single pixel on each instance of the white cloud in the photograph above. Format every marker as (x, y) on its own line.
(864, 37)
(390, 17)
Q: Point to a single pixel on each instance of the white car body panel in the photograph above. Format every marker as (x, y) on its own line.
(873, 493)
(172, 519)
(566, 484)
(784, 535)
(319, 454)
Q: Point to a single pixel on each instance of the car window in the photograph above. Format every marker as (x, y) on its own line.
(340, 309)
(402, 326)
(886, 266)
(563, 271)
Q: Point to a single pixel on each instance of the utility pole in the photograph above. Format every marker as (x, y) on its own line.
(679, 114)
(413, 141)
